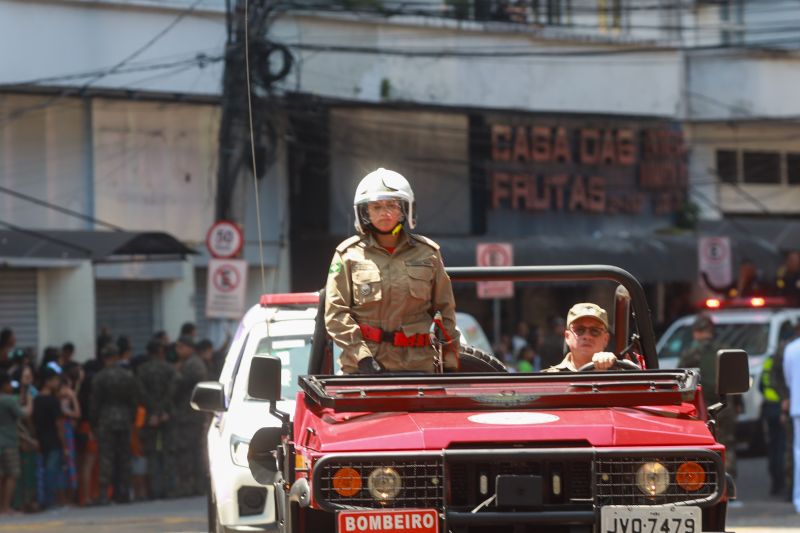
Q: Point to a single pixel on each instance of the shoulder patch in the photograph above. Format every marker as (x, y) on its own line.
(347, 243)
(424, 240)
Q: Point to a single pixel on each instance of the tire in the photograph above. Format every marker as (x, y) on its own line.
(474, 360)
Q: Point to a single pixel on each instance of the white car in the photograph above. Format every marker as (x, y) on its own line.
(281, 325)
(752, 324)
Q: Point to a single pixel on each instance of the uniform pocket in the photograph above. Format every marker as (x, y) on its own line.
(366, 285)
(420, 281)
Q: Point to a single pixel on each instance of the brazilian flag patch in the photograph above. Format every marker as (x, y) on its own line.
(335, 267)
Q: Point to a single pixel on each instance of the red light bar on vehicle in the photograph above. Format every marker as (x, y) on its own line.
(742, 303)
(290, 298)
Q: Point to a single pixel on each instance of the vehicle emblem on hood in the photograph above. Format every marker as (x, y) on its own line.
(513, 419)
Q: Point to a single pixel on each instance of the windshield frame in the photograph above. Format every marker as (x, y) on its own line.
(429, 392)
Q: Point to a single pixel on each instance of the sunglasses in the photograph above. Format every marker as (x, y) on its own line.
(582, 330)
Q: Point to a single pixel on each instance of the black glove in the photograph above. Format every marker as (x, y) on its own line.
(369, 365)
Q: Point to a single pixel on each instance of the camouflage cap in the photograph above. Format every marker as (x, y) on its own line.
(587, 309)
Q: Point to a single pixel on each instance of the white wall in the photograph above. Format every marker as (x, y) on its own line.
(54, 39)
(177, 302)
(66, 308)
(643, 83)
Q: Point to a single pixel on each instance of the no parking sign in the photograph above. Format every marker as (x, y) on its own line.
(714, 255)
(227, 280)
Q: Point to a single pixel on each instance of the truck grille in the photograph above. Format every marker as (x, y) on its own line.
(422, 478)
(467, 488)
(615, 478)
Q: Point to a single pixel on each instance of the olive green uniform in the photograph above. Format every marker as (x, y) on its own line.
(703, 355)
(400, 291)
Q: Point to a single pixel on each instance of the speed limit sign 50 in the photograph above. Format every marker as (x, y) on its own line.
(224, 240)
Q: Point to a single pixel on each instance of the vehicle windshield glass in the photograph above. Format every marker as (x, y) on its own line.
(751, 338)
(293, 351)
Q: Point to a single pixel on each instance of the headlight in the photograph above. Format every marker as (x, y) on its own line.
(239, 448)
(652, 478)
(384, 484)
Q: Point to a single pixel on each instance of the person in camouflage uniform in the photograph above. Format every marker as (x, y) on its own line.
(188, 425)
(112, 410)
(155, 379)
(702, 354)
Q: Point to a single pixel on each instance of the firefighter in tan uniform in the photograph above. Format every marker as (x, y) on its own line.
(386, 285)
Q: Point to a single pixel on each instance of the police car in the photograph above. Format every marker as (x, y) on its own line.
(281, 325)
(756, 325)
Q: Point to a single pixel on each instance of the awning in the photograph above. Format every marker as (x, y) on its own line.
(22, 244)
(650, 258)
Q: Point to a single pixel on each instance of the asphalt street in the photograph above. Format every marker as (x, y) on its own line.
(758, 513)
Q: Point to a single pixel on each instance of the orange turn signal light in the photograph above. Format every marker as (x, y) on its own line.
(347, 482)
(690, 476)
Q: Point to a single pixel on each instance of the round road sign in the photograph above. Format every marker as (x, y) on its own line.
(224, 240)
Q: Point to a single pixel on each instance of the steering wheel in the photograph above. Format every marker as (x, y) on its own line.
(621, 364)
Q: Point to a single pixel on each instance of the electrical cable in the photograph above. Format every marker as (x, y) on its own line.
(253, 145)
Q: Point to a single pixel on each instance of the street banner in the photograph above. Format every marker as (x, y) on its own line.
(714, 256)
(495, 254)
(226, 284)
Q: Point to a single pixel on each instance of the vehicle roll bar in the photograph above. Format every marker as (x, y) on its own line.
(641, 312)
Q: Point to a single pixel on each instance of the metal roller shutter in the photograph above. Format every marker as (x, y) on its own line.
(127, 308)
(18, 305)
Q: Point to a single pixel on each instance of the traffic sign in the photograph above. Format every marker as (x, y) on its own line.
(224, 239)
(495, 254)
(225, 288)
(714, 256)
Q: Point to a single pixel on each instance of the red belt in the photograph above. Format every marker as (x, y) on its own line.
(396, 338)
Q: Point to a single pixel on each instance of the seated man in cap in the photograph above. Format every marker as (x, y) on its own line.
(586, 336)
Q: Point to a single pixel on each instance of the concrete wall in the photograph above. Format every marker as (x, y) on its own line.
(177, 300)
(66, 308)
(645, 83)
(77, 43)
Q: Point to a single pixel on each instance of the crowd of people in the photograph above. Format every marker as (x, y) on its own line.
(118, 427)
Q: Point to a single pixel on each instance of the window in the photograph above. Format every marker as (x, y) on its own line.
(793, 168)
(727, 167)
(609, 15)
(761, 167)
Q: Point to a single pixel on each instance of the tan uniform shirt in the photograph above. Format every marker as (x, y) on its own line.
(566, 365)
(394, 292)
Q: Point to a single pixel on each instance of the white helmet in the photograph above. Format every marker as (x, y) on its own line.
(383, 184)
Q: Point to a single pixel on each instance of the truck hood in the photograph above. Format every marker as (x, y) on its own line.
(618, 426)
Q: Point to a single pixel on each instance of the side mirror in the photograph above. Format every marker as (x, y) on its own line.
(261, 455)
(733, 372)
(264, 381)
(208, 396)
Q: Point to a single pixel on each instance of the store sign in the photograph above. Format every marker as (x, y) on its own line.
(225, 288)
(607, 168)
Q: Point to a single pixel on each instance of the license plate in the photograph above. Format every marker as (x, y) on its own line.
(655, 519)
(393, 520)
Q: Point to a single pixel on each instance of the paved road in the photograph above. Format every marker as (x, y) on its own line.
(759, 513)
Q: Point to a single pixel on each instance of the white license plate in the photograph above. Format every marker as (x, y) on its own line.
(650, 519)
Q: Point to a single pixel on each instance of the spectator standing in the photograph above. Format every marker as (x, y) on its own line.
(7, 342)
(791, 371)
(702, 354)
(188, 424)
(70, 407)
(551, 349)
(188, 329)
(112, 411)
(205, 349)
(86, 441)
(11, 411)
(155, 379)
(528, 360)
(521, 337)
(48, 422)
(26, 498)
(788, 278)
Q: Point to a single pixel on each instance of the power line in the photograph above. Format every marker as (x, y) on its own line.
(58, 208)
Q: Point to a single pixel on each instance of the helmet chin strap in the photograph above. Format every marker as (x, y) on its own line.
(394, 231)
